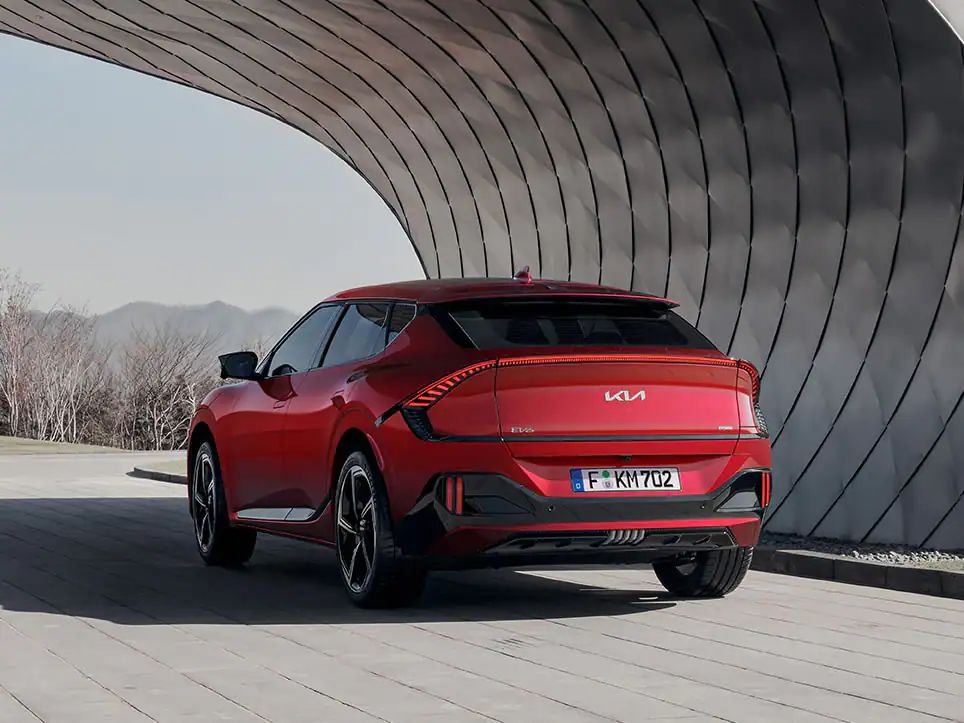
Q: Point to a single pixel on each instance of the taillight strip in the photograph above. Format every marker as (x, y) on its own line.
(416, 406)
(754, 377)
(431, 393)
(766, 489)
(449, 493)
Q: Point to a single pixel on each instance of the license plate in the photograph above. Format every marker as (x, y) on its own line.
(625, 479)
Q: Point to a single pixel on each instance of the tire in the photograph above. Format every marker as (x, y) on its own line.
(218, 542)
(710, 574)
(373, 571)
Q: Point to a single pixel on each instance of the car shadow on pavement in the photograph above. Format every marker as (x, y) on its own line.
(132, 561)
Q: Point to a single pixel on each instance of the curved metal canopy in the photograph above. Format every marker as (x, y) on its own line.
(790, 170)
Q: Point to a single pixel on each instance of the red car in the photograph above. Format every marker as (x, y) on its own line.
(490, 422)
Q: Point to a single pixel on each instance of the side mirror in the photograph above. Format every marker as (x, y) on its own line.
(239, 365)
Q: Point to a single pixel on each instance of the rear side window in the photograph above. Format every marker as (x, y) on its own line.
(361, 333)
(505, 323)
(402, 315)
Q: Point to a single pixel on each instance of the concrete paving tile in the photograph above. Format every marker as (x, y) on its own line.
(13, 711)
(107, 614)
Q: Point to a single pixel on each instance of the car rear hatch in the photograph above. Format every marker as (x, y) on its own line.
(588, 383)
(625, 404)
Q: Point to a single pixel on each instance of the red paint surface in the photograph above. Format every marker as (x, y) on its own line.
(277, 438)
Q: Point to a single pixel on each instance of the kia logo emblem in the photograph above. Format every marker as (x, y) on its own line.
(624, 395)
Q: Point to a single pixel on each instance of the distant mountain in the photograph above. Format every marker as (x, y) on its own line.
(232, 328)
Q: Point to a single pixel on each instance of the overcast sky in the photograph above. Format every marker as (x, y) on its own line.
(116, 187)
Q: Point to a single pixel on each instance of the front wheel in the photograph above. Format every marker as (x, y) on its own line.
(217, 541)
(714, 573)
(373, 570)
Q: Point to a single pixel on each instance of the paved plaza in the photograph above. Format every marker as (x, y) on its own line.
(106, 613)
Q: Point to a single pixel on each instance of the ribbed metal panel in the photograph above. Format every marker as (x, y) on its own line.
(792, 171)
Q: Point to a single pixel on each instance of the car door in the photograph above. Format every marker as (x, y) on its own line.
(361, 333)
(255, 425)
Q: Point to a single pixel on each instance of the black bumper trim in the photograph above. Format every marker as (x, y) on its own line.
(589, 548)
(676, 540)
(428, 521)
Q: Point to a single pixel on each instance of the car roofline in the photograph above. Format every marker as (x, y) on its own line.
(426, 294)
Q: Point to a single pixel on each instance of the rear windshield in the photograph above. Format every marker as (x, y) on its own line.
(504, 323)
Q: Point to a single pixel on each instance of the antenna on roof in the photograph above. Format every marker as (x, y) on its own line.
(523, 275)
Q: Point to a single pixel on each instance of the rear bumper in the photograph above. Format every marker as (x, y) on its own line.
(614, 547)
(504, 523)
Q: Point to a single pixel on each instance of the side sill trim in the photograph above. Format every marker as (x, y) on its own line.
(276, 514)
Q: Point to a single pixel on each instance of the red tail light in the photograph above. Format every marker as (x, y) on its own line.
(758, 419)
(453, 494)
(415, 408)
(429, 395)
(754, 377)
(766, 489)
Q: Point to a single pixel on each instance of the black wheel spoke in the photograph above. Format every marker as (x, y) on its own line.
(354, 496)
(355, 525)
(351, 565)
(205, 527)
(204, 501)
(343, 524)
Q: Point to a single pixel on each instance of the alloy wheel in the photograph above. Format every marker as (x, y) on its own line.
(204, 501)
(356, 528)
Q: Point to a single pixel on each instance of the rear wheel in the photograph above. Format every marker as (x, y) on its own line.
(706, 574)
(373, 570)
(217, 542)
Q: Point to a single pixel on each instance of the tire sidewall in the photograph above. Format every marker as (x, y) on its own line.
(220, 506)
(715, 574)
(384, 553)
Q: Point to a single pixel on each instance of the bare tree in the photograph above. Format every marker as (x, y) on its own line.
(163, 376)
(16, 297)
(261, 345)
(53, 377)
(58, 382)
(68, 390)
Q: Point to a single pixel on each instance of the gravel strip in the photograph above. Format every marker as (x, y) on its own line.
(889, 554)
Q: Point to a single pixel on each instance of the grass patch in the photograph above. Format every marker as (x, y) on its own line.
(18, 445)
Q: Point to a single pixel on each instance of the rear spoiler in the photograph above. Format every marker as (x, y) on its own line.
(547, 292)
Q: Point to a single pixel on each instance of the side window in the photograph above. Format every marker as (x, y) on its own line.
(360, 334)
(402, 315)
(299, 352)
